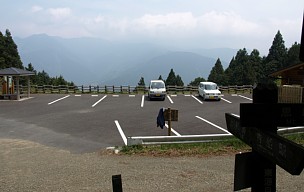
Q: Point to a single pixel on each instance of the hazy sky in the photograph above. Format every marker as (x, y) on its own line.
(182, 23)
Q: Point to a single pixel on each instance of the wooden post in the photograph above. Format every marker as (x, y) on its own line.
(17, 90)
(264, 170)
(169, 122)
(116, 183)
(28, 86)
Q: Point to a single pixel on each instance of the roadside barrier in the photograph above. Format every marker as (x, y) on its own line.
(127, 89)
(157, 140)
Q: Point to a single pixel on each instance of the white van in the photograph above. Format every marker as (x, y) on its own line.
(209, 90)
(157, 89)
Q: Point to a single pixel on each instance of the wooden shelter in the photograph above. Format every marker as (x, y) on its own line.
(292, 83)
(291, 75)
(8, 87)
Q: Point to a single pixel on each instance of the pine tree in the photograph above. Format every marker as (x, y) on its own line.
(293, 54)
(34, 78)
(171, 79)
(2, 49)
(160, 77)
(235, 72)
(11, 55)
(196, 81)
(43, 78)
(277, 54)
(141, 82)
(217, 73)
(179, 81)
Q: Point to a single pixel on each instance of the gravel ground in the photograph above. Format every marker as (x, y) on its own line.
(28, 166)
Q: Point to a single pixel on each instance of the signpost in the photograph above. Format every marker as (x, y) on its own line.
(257, 127)
(280, 114)
(170, 115)
(287, 154)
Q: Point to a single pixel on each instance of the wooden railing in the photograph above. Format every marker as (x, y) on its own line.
(127, 89)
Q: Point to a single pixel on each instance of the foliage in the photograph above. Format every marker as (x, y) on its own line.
(160, 78)
(196, 81)
(277, 51)
(217, 74)
(9, 56)
(227, 146)
(293, 54)
(141, 82)
(172, 79)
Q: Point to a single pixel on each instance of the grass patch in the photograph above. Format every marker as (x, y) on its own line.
(297, 138)
(224, 147)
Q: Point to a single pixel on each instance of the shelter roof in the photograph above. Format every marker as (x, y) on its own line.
(299, 66)
(12, 71)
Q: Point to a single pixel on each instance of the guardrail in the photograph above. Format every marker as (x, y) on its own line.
(158, 140)
(110, 89)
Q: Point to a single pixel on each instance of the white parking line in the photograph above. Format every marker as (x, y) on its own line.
(197, 99)
(170, 99)
(123, 136)
(77, 95)
(115, 95)
(187, 95)
(99, 101)
(131, 95)
(142, 101)
(172, 130)
(226, 100)
(213, 124)
(173, 95)
(245, 97)
(58, 100)
(94, 95)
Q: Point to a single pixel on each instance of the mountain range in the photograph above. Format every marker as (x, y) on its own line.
(93, 61)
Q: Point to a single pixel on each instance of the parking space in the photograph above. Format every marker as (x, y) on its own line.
(94, 121)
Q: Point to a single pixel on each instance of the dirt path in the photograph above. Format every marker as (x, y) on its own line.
(28, 166)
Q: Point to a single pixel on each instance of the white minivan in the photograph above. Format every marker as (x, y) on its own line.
(157, 89)
(209, 90)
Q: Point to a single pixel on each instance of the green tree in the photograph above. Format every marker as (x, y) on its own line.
(217, 74)
(141, 82)
(293, 54)
(196, 81)
(33, 78)
(171, 79)
(58, 81)
(255, 60)
(11, 55)
(2, 50)
(276, 57)
(235, 72)
(160, 77)
(179, 81)
(43, 78)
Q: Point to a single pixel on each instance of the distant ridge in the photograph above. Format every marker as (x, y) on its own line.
(90, 61)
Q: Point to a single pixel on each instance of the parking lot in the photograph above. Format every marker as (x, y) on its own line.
(86, 122)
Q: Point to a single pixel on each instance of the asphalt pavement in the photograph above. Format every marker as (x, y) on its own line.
(86, 122)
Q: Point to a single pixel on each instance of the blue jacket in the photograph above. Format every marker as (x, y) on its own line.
(161, 119)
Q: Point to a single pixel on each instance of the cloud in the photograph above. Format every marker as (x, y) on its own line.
(59, 13)
(227, 23)
(169, 21)
(36, 8)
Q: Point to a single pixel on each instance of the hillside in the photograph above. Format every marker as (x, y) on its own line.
(96, 61)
